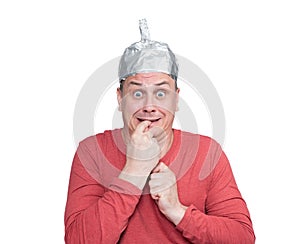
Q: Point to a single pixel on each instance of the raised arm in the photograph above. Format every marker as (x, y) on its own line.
(96, 214)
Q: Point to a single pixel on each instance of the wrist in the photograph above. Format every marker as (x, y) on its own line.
(137, 178)
(176, 215)
(139, 167)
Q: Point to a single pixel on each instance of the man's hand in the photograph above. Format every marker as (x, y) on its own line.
(142, 155)
(163, 189)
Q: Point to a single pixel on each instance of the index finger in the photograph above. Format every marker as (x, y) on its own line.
(142, 126)
(160, 167)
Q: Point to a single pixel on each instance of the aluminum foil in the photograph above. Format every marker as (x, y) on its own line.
(147, 56)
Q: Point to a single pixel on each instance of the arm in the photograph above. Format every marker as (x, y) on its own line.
(226, 219)
(101, 199)
(95, 214)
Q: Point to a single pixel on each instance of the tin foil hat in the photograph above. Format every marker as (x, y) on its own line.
(147, 56)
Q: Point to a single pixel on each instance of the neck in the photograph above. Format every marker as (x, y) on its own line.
(165, 141)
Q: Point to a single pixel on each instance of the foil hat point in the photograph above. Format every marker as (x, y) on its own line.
(144, 30)
(147, 56)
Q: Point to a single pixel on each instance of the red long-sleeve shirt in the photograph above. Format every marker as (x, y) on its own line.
(101, 208)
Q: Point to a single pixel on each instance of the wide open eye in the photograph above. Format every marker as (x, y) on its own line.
(137, 94)
(161, 94)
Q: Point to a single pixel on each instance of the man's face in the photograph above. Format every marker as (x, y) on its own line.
(148, 96)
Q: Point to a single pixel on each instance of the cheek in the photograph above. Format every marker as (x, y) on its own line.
(130, 107)
(168, 106)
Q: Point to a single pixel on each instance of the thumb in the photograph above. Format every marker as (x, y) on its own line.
(160, 167)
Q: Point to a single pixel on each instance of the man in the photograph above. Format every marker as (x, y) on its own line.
(147, 182)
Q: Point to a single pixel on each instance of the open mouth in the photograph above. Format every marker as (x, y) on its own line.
(148, 119)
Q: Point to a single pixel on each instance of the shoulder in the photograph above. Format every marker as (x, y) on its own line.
(203, 140)
(99, 139)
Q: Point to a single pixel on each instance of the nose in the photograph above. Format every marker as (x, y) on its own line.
(149, 109)
(149, 106)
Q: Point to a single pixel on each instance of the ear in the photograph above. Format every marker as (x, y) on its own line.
(119, 97)
(177, 99)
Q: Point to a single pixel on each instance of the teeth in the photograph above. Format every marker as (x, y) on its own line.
(152, 120)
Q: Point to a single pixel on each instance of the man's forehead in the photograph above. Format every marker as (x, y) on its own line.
(150, 78)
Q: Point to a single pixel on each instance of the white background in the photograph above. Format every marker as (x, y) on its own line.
(249, 49)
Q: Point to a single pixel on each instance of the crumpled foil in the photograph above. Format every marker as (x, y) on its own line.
(147, 56)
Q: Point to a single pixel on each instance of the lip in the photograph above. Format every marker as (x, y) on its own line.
(153, 120)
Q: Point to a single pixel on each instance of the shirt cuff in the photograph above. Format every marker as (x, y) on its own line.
(185, 221)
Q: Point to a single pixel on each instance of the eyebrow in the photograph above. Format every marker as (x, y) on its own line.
(157, 84)
(162, 83)
(135, 83)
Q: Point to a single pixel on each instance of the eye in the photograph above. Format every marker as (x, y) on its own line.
(137, 94)
(161, 94)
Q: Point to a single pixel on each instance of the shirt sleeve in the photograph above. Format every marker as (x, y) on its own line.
(94, 213)
(226, 218)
